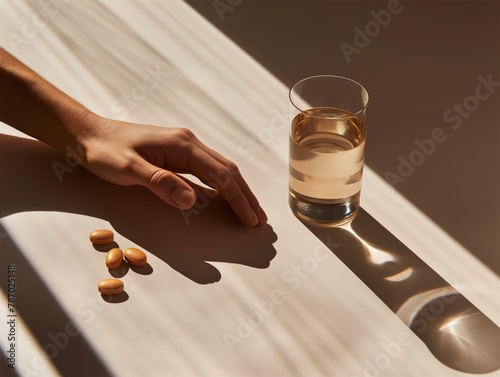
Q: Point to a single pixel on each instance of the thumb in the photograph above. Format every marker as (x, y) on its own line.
(167, 186)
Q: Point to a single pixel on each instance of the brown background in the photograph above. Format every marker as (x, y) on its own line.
(427, 58)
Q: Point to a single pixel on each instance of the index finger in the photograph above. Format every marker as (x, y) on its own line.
(234, 173)
(220, 177)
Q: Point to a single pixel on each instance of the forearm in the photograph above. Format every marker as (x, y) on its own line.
(119, 152)
(34, 106)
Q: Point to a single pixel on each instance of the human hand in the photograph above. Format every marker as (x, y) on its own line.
(119, 152)
(135, 154)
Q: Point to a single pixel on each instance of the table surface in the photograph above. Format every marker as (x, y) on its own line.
(216, 299)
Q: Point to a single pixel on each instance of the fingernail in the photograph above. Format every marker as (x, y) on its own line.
(255, 219)
(262, 216)
(184, 198)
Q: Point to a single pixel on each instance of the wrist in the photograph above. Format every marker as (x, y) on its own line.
(75, 134)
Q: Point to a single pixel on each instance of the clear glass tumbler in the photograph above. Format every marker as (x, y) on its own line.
(327, 149)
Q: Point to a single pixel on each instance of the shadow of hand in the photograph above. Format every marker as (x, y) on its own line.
(184, 240)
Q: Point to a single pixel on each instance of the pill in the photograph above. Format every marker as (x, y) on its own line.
(114, 258)
(135, 257)
(101, 237)
(110, 286)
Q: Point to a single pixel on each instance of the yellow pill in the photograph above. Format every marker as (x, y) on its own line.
(135, 257)
(114, 258)
(110, 286)
(101, 237)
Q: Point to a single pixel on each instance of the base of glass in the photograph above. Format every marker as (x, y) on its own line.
(321, 212)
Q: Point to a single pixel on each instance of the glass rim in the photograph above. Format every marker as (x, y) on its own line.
(329, 76)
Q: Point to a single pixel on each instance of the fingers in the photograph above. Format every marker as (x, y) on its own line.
(222, 178)
(234, 185)
(166, 185)
(188, 154)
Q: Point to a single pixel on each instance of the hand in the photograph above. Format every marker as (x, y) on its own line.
(136, 154)
(119, 152)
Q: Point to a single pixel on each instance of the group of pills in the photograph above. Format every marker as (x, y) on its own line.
(115, 257)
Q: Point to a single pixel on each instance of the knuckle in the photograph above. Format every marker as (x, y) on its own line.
(183, 138)
(160, 178)
(184, 134)
(128, 163)
(232, 168)
(229, 170)
(225, 172)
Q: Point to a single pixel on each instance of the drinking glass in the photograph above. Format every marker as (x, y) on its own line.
(327, 149)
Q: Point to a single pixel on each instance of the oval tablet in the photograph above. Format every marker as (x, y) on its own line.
(101, 237)
(114, 258)
(110, 286)
(135, 257)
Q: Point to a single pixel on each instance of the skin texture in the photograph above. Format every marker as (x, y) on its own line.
(119, 152)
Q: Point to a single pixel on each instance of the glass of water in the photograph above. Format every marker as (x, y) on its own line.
(327, 149)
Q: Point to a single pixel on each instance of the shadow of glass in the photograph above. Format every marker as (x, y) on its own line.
(185, 241)
(454, 330)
